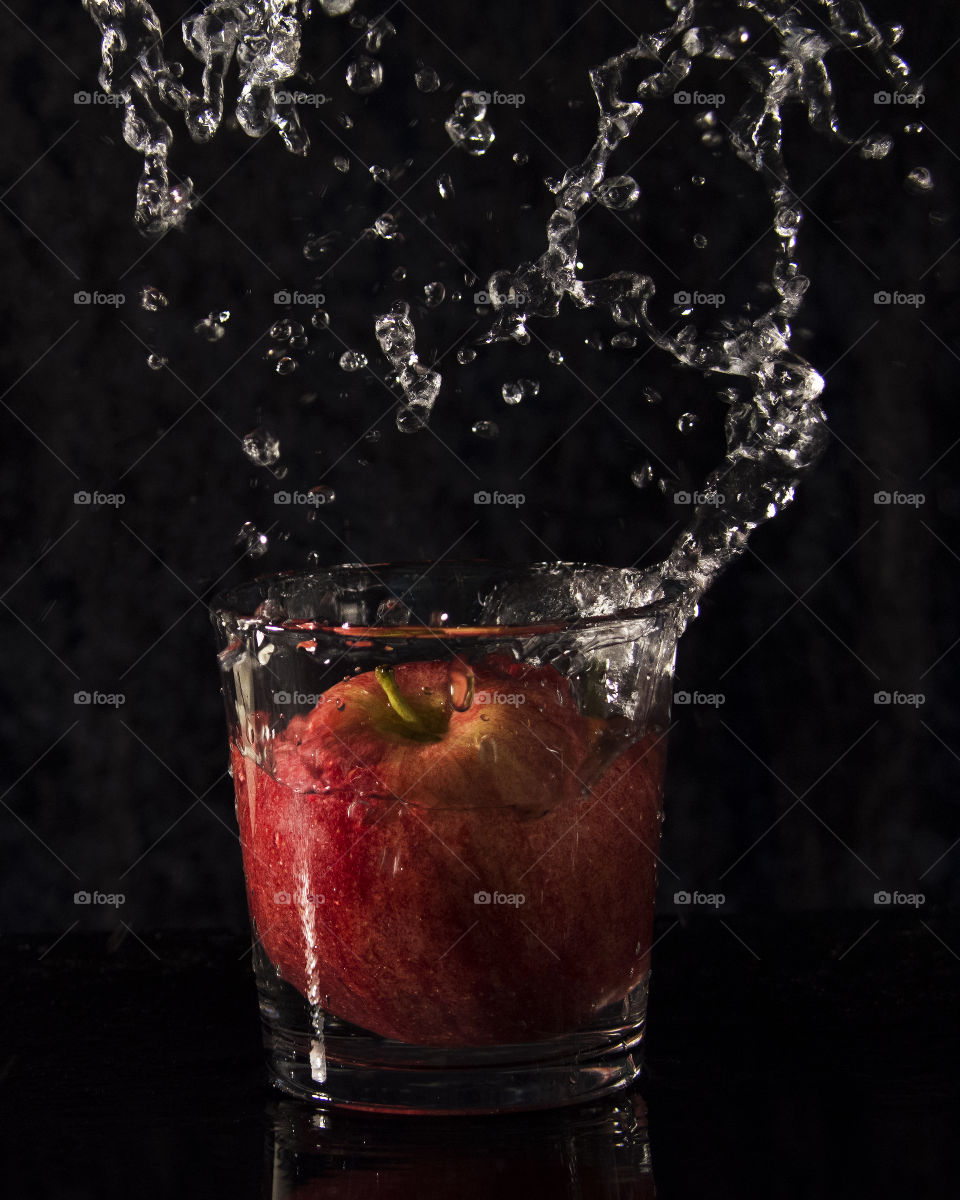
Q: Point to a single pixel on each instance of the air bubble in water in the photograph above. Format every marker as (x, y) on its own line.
(352, 360)
(253, 541)
(262, 447)
(485, 429)
(620, 192)
(919, 181)
(156, 362)
(364, 75)
(466, 354)
(642, 476)
(286, 365)
(152, 299)
(445, 187)
(426, 79)
(434, 294)
(687, 423)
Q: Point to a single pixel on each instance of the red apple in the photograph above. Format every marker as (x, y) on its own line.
(455, 878)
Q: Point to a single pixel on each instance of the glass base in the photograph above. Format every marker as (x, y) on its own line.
(332, 1062)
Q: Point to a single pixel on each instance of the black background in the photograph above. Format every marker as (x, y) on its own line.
(799, 792)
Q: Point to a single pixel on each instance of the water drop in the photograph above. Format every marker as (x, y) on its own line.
(210, 328)
(876, 147)
(555, 357)
(320, 319)
(512, 393)
(336, 8)
(485, 429)
(253, 541)
(323, 493)
(152, 299)
(466, 354)
(919, 181)
(345, 120)
(262, 447)
(434, 294)
(377, 33)
(286, 365)
(687, 423)
(380, 174)
(156, 362)
(460, 685)
(364, 75)
(467, 128)
(651, 395)
(352, 360)
(699, 240)
(620, 192)
(623, 341)
(698, 180)
(280, 331)
(385, 226)
(642, 476)
(341, 163)
(913, 128)
(426, 79)
(787, 222)
(521, 158)
(372, 435)
(445, 187)
(399, 274)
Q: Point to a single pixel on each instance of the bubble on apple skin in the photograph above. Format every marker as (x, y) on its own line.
(262, 447)
(460, 685)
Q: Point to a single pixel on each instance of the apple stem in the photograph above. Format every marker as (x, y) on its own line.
(397, 701)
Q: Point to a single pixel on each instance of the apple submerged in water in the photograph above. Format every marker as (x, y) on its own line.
(450, 877)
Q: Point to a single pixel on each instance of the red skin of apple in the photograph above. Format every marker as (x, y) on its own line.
(410, 830)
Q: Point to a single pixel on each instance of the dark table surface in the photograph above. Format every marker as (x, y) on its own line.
(811, 1056)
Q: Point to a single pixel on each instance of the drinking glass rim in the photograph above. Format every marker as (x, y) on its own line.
(224, 606)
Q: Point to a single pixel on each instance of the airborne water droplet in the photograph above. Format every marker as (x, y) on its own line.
(876, 147)
(512, 392)
(445, 187)
(687, 423)
(426, 79)
(286, 365)
(699, 240)
(262, 447)
(642, 476)
(253, 541)
(620, 192)
(521, 158)
(336, 8)
(466, 354)
(919, 181)
(485, 429)
(341, 163)
(152, 299)
(156, 362)
(434, 294)
(364, 75)
(555, 357)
